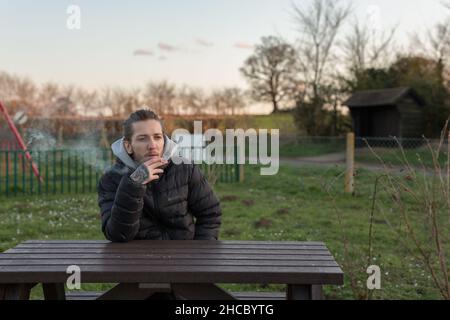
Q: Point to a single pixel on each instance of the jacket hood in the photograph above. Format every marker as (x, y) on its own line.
(170, 150)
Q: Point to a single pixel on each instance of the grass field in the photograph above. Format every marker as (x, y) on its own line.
(282, 121)
(417, 157)
(293, 205)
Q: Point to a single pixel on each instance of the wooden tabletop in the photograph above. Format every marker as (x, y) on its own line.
(288, 262)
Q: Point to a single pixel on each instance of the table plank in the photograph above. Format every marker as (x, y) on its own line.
(191, 256)
(185, 261)
(169, 251)
(180, 242)
(188, 243)
(180, 262)
(183, 274)
(165, 247)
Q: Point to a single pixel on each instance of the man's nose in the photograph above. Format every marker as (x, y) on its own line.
(151, 144)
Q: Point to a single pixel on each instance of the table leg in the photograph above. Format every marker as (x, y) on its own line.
(134, 291)
(16, 291)
(304, 292)
(54, 291)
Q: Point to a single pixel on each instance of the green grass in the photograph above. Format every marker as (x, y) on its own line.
(282, 121)
(292, 205)
(417, 157)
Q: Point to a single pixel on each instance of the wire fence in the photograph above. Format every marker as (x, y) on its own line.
(418, 152)
(391, 150)
(74, 171)
(78, 170)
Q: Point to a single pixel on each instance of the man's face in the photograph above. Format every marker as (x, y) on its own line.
(147, 141)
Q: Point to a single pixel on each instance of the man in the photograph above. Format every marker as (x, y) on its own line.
(144, 196)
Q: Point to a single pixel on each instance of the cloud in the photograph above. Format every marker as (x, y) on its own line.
(243, 45)
(167, 47)
(162, 58)
(203, 43)
(143, 52)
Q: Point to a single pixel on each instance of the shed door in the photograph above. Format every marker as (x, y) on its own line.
(385, 122)
(361, 122)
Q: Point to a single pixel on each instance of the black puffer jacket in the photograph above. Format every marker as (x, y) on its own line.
(180, 205)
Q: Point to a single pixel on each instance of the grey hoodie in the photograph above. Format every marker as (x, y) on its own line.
(170, 150)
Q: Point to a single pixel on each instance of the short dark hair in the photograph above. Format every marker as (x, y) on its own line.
(139, 115)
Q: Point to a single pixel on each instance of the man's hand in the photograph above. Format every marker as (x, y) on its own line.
(148, 171)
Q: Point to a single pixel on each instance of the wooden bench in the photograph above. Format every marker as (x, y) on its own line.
(94, 295)
(187, 269)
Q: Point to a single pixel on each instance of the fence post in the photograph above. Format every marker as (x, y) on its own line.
(24, 171)
(62, 170)
(104, 143)
(54, 171)
(350, 162)
(7, 171)
(39, 181)
(241, 173)
(240, 166)
(15, 172)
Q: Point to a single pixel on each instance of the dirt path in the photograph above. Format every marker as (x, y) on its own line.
(338, 157)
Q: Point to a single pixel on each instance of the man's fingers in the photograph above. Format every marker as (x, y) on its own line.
(156, 164)
(155, 171)
(153, 160)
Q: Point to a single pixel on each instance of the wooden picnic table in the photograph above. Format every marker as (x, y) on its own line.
(189, 269)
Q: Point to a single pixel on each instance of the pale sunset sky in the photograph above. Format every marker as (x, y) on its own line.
(196, 42)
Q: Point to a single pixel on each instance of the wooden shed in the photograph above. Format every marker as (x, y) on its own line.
(387, 112)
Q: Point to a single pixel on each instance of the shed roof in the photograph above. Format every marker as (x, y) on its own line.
(381, 97)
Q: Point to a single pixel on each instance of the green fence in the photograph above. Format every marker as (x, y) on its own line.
(73, 171)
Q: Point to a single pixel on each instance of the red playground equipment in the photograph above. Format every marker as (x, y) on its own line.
(19, 139)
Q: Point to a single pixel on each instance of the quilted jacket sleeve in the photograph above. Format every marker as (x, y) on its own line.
(121, 202)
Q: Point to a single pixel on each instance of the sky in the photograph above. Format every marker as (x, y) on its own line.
(201, 43)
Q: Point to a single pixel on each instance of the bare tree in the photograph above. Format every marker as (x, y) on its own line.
(48, 94)
(88, 101)
(192, 100)
(133, 102)
(366, 48)
(26, 90)
(435, 45)
(117, 99)
(227, 100)
(7, 87)
(272, 72)
(217, 102)
(65, 104)
(105, 101)
(160, 97)
(17, 88)
(318, 25)
(19, 93)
